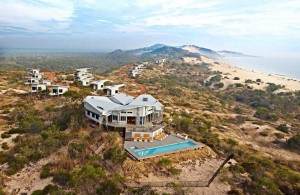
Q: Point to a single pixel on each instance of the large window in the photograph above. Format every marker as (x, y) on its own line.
(123, 118)
(115, 117)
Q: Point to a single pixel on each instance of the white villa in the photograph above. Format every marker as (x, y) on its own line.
(36, 81)
(161, 61)
(97, 85)
(38, 87)
(139, 119)
(56, 90)
(34, 76)
(136, 69)
(133, 72)
(83, 75)
(113, 90)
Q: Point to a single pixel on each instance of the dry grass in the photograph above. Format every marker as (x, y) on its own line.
(135, 169)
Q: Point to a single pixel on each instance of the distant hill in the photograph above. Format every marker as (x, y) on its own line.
(201, 50)
(172, 52)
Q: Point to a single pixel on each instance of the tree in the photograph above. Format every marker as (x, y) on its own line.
(87, 179)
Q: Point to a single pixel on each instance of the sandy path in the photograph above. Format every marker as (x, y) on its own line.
(28, 179)
(199, 170)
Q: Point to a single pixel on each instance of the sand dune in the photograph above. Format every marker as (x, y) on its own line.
(244, 74)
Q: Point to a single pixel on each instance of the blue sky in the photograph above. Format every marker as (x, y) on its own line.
(268, 27)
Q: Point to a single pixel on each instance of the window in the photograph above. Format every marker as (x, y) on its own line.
(88, 112)
(93, 115)
(123, 118)
(60, 90)
(145, 99)
(29, 81)
(101, 86)
(117, 91)
(97, 116)
(39, 88)
(115, 117)
(33, 88)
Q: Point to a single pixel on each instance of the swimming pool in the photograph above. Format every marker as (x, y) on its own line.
(166, 148)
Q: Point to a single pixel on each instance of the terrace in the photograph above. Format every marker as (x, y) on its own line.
(160, 148)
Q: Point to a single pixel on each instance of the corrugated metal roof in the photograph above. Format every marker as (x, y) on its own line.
(122, 99)
(101, 103)
(146, 100)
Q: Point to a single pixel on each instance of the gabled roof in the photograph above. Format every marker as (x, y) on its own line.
(114, 86)
(99, 82)
(121, 99)
(101, 103)
(146, 100)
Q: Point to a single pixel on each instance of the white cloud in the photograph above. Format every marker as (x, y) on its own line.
(31, 15)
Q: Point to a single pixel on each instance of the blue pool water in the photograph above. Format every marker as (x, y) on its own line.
(166, 148)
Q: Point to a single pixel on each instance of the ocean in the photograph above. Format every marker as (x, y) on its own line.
(289, 67)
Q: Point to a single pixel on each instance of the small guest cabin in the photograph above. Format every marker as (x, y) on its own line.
(56, 90)
(38, 87)
(113, 90)
(98, 85)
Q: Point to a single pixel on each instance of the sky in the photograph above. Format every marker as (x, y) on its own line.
(258, 27)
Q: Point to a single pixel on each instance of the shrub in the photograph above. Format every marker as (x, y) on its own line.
(164, 162)
(263, 133)
(174, 171)
(236, 78)
(279, 135)
(283, 128)
(108, 187)
(87, 179)
(31, 124)
(294, 142)
(62, 178)
(16, 131)
(273, 87)
(264, 113)
(46, 171)
(5, 146)
(258, 80)
(116, 154)
(49, 189)
(72, 94)
(248, 81)
(219, 85)
(216, 78)
(239, 85)
(5, 135)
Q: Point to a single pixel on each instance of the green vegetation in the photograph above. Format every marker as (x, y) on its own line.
(87, 179)
(294, 142)
(283, 128)
(165, 162)
(174, 171)
(116, 154)
(4, 146)
(273, 87)
(236, 78)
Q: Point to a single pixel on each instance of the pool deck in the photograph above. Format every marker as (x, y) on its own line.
(170, 139)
